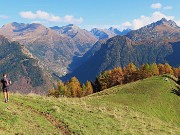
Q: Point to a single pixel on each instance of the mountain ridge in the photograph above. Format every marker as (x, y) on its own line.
(136, 47)
(26, 72)
(161, 30)
(53, 49)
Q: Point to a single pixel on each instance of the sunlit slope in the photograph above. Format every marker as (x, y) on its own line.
(143, 107)
(156, 97)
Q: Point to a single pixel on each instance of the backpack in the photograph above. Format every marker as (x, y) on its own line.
(7, 83)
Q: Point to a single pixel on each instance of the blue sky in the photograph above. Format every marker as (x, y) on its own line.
(88, 14)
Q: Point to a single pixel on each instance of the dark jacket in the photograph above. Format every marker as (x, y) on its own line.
(5, 82)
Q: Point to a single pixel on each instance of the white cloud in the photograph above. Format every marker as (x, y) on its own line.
(137, 23)
(36, 22)
(4, 17)
(178, 22)
(45, 16)
(28, 15)
(145, 20)
(126, 24)
(70, 18)
(167, 7)
(156, 6)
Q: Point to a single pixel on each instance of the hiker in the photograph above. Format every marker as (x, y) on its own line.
(5, 86)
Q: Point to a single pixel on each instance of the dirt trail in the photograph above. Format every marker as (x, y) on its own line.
(55, 122)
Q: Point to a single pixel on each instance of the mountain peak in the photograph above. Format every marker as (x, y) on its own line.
(118, 31)
(163, 21)
(19, 27)
(16, 24)
(55, 27)
(160, 30)
(102, 33)
(70, 25)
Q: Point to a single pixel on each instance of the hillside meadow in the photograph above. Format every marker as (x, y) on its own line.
(149, 106)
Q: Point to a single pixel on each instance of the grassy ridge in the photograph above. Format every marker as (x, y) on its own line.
(153, 96)
(143, 107)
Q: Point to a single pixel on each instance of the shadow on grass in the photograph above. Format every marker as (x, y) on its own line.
(171, 77)
(177, 81)
(175, 91)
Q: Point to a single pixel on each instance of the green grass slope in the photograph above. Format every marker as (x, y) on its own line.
(154, 96)
(143, 107)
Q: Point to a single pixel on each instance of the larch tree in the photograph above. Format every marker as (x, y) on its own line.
(145, 71)
(116, 77)
(176, 71)
(168, 69)
(154, 69)
(129, 70)
(88, 88)
(61, 88)
(75, 87)
(161, 69)
(103, 80)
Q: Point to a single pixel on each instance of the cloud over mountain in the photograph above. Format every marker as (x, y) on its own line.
(45, 16)
(144, 20)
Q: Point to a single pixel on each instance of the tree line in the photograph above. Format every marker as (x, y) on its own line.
(110, 78)
(72, 88)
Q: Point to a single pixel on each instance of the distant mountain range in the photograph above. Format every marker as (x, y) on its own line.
(108, 33)
(51, 51)
(55, 46)
(34, 53)
(119, 32)
(26, 72)
(158, 42)
(83, 39)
